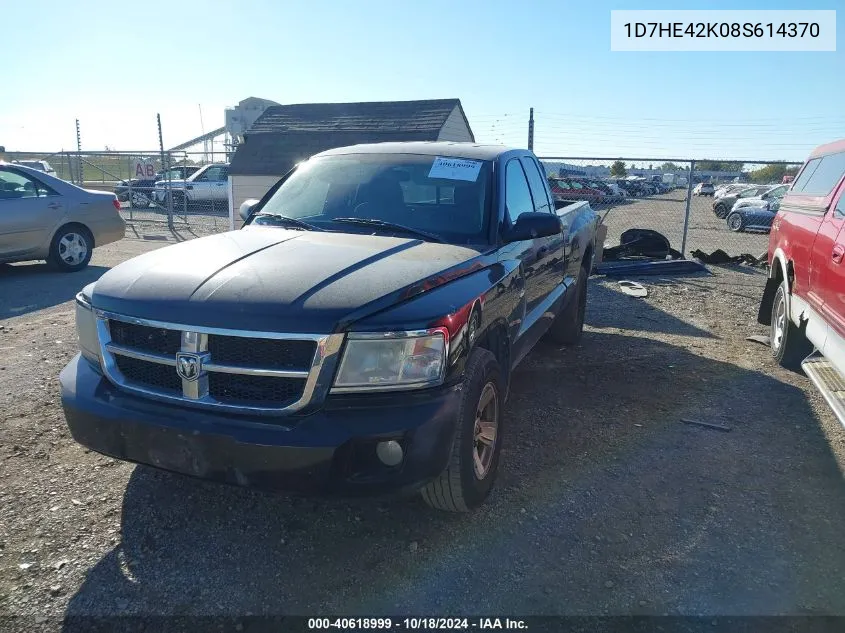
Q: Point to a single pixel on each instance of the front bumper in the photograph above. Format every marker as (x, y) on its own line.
(329, 451)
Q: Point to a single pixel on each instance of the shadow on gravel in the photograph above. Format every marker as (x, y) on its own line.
(26, 288)
(605, 504)
(610, 308)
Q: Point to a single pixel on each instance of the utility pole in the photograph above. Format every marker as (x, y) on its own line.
(78, 155)
(531, 129)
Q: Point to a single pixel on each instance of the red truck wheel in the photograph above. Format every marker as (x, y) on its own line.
(789, 344)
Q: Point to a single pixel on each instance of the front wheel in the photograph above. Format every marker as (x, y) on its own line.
(474, 460)
(789, 344)
(736, 222)
(721, 211)
(71, 249)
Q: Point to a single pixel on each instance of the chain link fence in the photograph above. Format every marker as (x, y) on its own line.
(696, 205)
(181, 189)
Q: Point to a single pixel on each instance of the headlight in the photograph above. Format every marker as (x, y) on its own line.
(393, 360)
(86, 329)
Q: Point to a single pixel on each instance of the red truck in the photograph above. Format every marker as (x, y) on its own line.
(804, 299)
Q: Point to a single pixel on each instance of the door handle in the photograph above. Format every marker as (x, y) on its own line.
(54, 205)
(838, 253)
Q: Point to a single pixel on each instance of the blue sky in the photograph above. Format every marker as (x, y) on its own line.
(114, 65)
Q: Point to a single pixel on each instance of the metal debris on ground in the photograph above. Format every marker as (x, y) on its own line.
(763, 339)
(651, 267)
(709, 425)
(632, 288)
(719, 256)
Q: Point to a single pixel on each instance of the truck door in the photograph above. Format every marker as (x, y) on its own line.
(29, 211)
(552, 263)
(824, 258)
(804, 221)
(828, 271)
(533, 254)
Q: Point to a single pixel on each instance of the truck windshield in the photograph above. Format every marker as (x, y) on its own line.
(442, 196)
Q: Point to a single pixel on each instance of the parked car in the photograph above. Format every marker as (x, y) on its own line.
(769, 199)
(358, 335)
(610, 194)
(38, 165)
(633, 187)
(139, 191)
(724, 203)
(43, 217)
(753, 218)
(704, 189)
(572, 189)
(804, 299)
(618, 191)
(730, 188)
(207, 185)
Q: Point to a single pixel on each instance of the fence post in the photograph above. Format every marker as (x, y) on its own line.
(686, 211)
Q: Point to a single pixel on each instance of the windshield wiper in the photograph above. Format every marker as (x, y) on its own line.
(288, 220)
(391, 225)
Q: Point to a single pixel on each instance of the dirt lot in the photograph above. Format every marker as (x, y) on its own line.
(606, 502)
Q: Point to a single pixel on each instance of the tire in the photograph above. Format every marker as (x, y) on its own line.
(569, 323)
(721, 211)
(179, 205)
(789, 344)
(471, 471)
(139, 200)
(71, 249)
(736, 222)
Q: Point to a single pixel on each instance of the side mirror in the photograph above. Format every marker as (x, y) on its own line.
(246, 208)
(533, 225)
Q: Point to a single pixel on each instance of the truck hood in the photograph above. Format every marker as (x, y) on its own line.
(272, 279)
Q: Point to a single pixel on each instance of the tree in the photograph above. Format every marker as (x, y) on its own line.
(618, 170)
(771, 173)
(670, 167)
(718, 165)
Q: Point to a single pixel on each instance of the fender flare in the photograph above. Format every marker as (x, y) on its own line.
(779, 259)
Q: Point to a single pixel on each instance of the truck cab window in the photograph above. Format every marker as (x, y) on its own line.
(542, 204)
(517, 195)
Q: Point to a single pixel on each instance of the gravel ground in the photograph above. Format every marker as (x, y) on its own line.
(606, 503)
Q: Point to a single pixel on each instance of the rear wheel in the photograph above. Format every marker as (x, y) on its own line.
(71, 249)
(736, 222)
(790, 345)
(569, 323)
(474, 460)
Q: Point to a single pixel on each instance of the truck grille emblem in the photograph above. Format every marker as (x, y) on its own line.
(188, 365)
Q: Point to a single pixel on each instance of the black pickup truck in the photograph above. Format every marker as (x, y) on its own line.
(357, 335)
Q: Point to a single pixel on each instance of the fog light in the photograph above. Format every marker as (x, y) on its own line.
(390, 453)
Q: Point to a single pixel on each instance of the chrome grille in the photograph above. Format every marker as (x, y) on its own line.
(243, 371)
(270, 353)
(143, 337)
(152, 375)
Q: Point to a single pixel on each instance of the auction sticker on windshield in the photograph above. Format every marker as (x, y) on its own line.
(455, 169)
